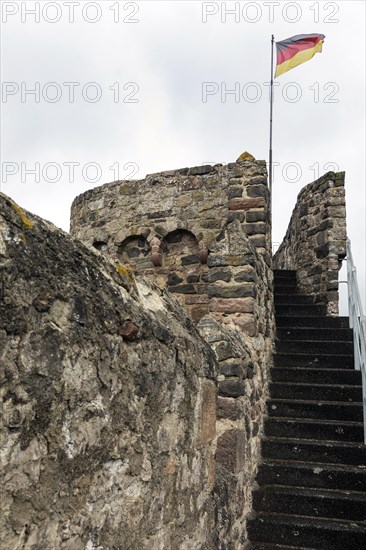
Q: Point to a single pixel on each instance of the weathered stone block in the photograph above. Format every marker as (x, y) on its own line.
(225, 350)
(129, 331)
(211, 224)
(246, 204)
(208, 413)
(235, 216)
(201, 170)
(255, 228)
(193, 278)
(239, 305)
(219, 275)
(230, 452)
(182, 289)
(159, 214)
(231, 291)
(255, 216)
(322, 251)
(174, 279)
(225, 260)
(245, 323)
(217, 260)
(258, 242)
(245, 276)
(188, 260)
(258, 180)
(332, 295)
(257, 191)
(197, 312)
(231, 369)
(228, 408)
(198, 299)
(231, 388)
(234, 191)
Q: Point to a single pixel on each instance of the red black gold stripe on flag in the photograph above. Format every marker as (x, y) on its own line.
(296, 50)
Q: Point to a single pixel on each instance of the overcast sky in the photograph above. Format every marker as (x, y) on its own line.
(123, 89)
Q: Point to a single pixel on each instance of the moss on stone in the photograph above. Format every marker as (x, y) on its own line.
(125, 272)
(25, 221)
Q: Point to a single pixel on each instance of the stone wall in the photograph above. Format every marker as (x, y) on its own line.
(166, 225)
(203, 233)
(315, 241)
(109, 402)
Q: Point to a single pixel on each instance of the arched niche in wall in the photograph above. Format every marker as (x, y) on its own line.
(180, 249)
(100, 245)
(185, 274)
(135, 251)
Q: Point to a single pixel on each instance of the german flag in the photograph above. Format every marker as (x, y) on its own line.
(296, 50)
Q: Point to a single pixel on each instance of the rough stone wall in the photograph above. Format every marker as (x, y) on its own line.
(315, 240)
(203, 233)
(166, 225)
(242, 342)
(109, 402)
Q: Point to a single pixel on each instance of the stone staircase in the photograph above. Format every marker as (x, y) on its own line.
(312, 480)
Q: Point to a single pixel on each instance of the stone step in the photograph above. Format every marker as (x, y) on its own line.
(283, 321)
(312, 478)
(314, 346)
(314, 392)
(293, 298)
(291, 408)
(284, 274)
(299, 310)
(348, 505)
(316, 376)
(314, 429)
(313, 474)
(270, 546)
(315, 333)
(315, 360)
(329, 452)
(285, 286)
(322, 534)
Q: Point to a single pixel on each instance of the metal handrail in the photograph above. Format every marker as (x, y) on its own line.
(357, 322)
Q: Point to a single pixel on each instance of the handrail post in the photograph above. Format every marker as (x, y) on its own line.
(357, 322)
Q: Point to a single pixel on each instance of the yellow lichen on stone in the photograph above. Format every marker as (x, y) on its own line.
(25, 221)
(125, 271)
(245, 156)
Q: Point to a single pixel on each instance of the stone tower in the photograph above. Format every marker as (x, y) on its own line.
(173, 228)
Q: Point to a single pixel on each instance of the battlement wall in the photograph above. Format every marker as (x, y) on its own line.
(166, 226)
(315, 241)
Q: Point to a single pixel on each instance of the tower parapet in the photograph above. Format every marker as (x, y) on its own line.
(170, 225)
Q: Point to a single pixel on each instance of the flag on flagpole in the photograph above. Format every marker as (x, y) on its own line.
(296, 50)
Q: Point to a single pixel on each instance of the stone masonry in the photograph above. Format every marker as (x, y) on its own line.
(109, 402)
(315, 242)
(133, 416)
(166, 225)
(203, 233)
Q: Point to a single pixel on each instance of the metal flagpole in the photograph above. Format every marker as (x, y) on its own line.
(270, 131)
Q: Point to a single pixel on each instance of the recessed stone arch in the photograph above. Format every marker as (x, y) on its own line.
(180, 248)
(100, 245)
(135, 251)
